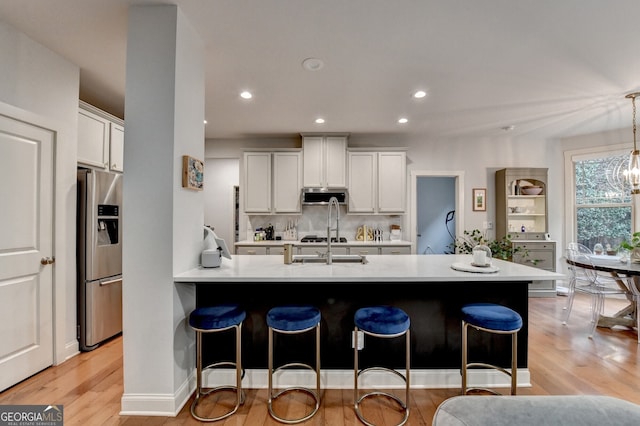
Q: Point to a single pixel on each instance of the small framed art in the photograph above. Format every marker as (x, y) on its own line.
(192, 173)
(479, 199)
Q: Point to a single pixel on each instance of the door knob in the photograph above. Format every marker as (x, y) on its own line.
(47, 260)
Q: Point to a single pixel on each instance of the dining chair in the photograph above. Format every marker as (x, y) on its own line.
(587, 280)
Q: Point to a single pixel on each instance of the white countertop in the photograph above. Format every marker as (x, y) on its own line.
(406, 268)
(301, 244)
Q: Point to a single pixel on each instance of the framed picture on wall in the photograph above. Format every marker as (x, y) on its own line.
(479, 199)
(192, 173)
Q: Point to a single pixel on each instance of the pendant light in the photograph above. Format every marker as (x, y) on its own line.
(634, 159)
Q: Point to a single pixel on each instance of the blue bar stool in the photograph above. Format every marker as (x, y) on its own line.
(384, 322)
(293, 320)
(214, 319)
(491, 318)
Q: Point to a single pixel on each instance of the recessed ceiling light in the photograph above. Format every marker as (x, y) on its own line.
(246, 95)
(312, 64)
(420, 94)
(319, 120)
(205, 121)
(403, 120)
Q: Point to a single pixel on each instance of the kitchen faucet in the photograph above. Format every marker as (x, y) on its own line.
(333, 201)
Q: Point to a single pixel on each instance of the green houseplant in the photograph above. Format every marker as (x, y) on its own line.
(500, 248)
(633, 246)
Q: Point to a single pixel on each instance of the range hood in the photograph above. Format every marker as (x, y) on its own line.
(320, 196)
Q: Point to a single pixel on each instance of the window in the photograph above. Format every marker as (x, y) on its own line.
(603, 203)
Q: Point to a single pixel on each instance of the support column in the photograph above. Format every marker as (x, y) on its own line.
(162, 222)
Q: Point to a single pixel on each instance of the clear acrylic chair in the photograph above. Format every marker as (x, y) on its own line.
(587, 280)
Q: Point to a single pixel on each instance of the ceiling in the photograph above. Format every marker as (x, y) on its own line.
(550, 68)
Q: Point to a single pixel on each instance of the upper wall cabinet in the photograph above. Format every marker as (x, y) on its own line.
(116, 148)
(272, 182)
(325, 164)
(377, 182)
(100, 139)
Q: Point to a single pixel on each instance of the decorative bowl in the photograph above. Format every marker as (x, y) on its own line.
(531, 190)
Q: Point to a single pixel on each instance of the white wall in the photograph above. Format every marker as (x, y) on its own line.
(220, 177)
(478, 158)
(44, 86)
(163, 222)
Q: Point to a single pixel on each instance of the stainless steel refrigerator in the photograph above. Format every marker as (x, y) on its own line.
(99, 257)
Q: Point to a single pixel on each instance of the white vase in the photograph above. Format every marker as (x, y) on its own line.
(635, 255)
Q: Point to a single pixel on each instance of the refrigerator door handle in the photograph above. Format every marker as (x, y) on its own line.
(117, 280)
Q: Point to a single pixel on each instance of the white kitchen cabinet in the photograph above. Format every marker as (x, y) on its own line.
(325, 164)
(377, 182)
(392, 181)
(100, 139)
(376, 249)
(287, 182)
(272, 182)
(257, 182)
(322, 249)
(364, 249)
(257, 250)
(116, 148)
(395, 250)
(93, 139)
(363, 172)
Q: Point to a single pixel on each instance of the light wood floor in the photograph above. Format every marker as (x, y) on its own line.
(562, 361)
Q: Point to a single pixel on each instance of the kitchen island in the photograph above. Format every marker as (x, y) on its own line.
(425, 286)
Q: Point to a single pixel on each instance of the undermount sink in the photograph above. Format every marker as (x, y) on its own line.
(335, 258)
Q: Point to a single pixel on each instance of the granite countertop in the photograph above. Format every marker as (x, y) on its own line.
(380, 268)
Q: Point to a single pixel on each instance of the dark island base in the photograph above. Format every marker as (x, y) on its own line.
(435, 322)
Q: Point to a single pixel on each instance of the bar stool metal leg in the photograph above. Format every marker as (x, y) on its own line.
(395, 325)
(504, 321)
(215, 320)
(283, 320)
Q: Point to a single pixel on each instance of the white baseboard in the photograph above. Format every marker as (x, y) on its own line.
(170, 405)
(158, 404)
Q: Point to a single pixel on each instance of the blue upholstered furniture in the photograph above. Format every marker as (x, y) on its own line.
(293, 320)
(382, 322)
(214, 319)
(526, 410)
(492, 318)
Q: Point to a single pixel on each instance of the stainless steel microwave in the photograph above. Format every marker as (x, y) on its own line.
(320, 196)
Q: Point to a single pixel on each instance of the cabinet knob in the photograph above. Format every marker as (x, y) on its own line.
(47, 260)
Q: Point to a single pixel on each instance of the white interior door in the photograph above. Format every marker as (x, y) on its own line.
(26, 250)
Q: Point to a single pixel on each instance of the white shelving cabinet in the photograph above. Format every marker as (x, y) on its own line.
(524, 218)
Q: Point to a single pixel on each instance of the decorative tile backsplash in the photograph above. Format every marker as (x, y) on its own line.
(313, 221)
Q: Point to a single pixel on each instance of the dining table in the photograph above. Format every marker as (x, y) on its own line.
(627, 276)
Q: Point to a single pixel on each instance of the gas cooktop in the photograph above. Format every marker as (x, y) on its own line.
(316, 239)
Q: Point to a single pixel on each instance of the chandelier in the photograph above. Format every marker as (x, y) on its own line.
(634, 160)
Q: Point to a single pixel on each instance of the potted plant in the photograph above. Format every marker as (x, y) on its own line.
(500, 248)
(633, 246)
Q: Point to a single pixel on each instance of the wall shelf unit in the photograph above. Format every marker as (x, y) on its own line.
(524, 219)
